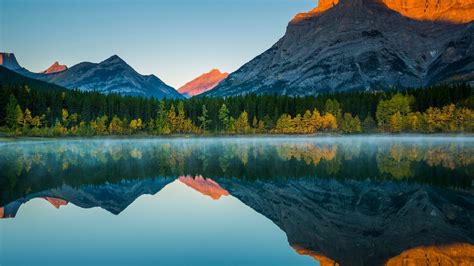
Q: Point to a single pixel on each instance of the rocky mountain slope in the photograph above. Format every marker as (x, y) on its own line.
(359, 222)
(55, 68)
(111, 197)
(112, 75)
(346, 45)
(203, 83)
(9, 61)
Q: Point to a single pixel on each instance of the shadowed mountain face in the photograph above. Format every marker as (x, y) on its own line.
(359, 45)
(111, 197)
(359, 222)
(112, 75)
(9, 61)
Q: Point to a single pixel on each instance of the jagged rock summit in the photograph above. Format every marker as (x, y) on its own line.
(55, 68)
(203, 83)
(9, 61)
(455, 11)
(347, 45)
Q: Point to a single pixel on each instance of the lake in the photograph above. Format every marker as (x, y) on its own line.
(365, 200)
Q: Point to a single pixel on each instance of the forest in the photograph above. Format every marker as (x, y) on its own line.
(34, 108)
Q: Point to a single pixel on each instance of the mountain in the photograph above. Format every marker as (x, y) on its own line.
(111, 197)
(8, 76)
(203, 83)
(349, 45)
(112, 75)
(9, 61)
(352, 222)
(55, 68)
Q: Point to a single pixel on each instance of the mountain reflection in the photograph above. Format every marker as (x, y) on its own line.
(205, 186)
(340, 201)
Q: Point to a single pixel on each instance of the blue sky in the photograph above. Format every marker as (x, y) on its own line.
(176, 40)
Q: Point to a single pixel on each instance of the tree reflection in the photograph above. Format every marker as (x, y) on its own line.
(38, 166)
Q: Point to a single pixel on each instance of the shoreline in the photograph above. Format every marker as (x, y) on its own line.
(7, 139)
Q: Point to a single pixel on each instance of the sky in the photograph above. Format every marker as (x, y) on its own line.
(176, 40)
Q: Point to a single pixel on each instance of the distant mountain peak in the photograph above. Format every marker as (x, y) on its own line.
(9, 61)
(114, 59)
(203, 83)
(55, 68)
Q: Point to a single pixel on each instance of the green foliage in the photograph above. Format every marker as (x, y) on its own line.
(386, 109)
(14, 115)
(224, 117)
(351, 124)
(434, 109)
(242, 123)
(204, 118)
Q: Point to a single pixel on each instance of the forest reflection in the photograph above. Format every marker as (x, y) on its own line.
(359, 191)
(34, 166)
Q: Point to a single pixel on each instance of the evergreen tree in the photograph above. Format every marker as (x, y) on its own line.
(204, 118)
(14, 115)
(224, 117)
(161, 119)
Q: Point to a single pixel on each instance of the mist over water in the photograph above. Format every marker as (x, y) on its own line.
(255, 201)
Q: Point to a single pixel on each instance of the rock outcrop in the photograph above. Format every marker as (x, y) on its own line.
(203, 83)
(456, 254)
(455, 11)
(55, 68)
(9, 61)
(361, 45)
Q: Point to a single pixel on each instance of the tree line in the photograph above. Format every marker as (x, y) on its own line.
(30, 109)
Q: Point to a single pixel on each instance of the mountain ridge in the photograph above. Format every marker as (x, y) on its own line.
(112, 75)
(203, 83)
(55, 68)
(356, 46)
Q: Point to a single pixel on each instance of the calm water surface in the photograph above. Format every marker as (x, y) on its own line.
(237, 201)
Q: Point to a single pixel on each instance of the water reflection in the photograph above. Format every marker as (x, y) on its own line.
(351, 201)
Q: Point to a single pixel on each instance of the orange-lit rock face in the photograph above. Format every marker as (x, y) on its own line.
(205, 186)
(56, 202)
(455, 254)
(323, 261)
(323, 5)
(203, 83)
(55, 68)
(454, 11)
(1, 212)
(457, 11)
